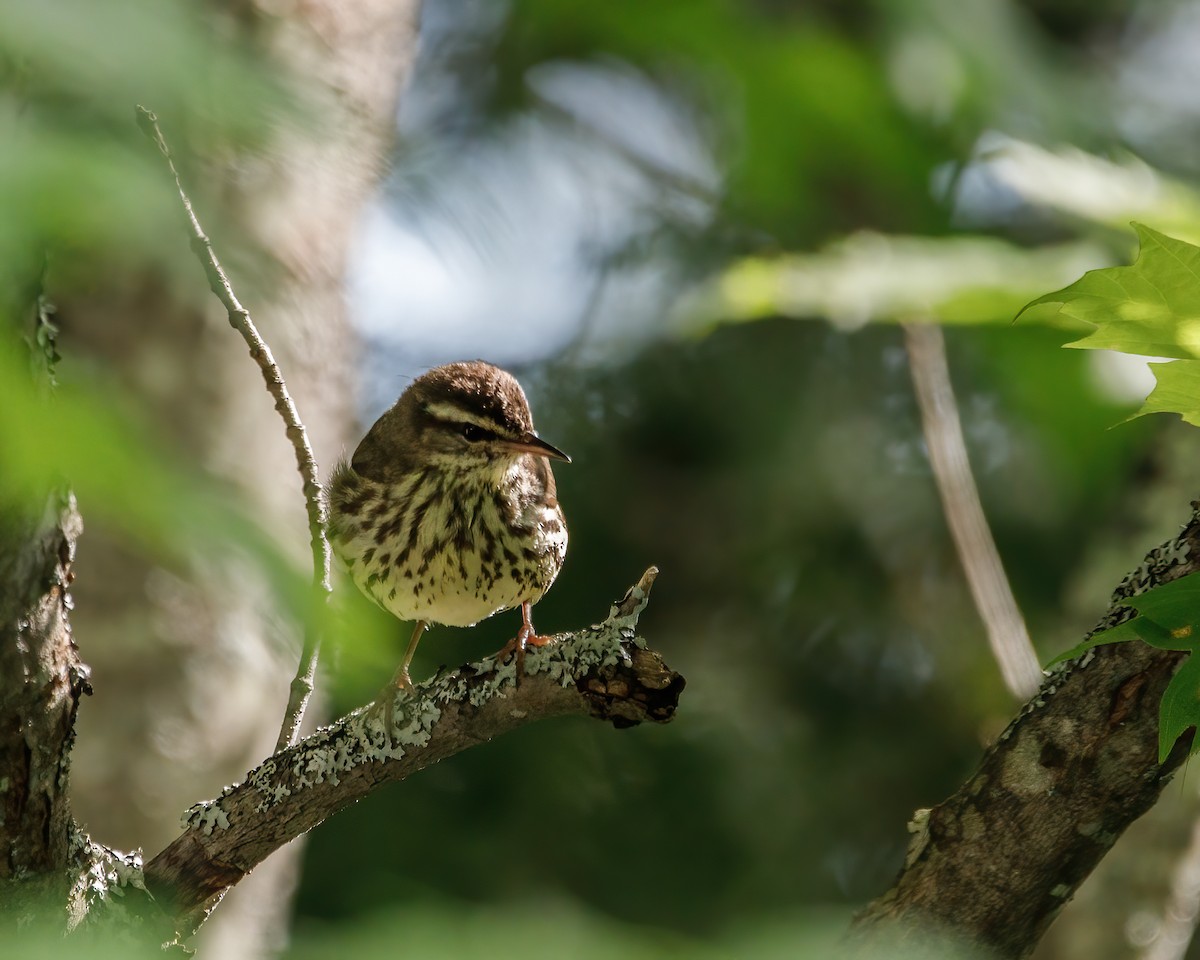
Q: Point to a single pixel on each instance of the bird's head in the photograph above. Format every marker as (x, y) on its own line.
(460, 416)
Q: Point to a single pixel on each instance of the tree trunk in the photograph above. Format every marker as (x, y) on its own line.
(191, 667)
(37, 716)
(994, 864)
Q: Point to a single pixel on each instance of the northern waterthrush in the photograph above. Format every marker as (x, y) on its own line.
(447, 512)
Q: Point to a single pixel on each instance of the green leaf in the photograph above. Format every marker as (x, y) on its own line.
(1180, 707)
(1177, 390)
(1118, 634)
(1159, 636)
(1174, 627)
(1151, 308)
(1168, 618)
(1173, 607)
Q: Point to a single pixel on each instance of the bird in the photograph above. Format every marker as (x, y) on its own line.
(447, 512)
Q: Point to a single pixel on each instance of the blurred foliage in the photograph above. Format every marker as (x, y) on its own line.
(554, 928)
(874, 162)
(117, 470)
(79, 183)
(870, 277)
(815, 120)
(88, 199)
(45, 944)
(848, 163)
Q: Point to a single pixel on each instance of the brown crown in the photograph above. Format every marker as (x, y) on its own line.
(479, 387)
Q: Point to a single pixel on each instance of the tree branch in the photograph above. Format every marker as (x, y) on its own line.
(995, 862)
(43, 675)
(604, 671)
(46, 680)
(239, 318)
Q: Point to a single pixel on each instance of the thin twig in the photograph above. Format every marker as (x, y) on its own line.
(239, 318)
(977, 551)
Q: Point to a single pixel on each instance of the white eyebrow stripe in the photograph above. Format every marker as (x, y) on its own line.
(454, 414)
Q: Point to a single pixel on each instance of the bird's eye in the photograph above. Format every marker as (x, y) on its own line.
(472, 432)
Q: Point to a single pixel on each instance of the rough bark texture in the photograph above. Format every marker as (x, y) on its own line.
(1127, 907)
(994, 863)
(44, 682)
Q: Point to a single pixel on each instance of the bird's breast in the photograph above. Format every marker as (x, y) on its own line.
(436, 548)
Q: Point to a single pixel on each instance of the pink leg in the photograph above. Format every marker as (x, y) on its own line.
(384, 705)
(525, 637)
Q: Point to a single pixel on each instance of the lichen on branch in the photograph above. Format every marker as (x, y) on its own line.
(604, 671)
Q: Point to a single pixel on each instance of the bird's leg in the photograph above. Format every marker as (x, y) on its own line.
(400, 679)
(385, 704)
(525, 637)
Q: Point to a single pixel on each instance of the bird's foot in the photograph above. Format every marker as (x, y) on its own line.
(525, 638)
(383, 708)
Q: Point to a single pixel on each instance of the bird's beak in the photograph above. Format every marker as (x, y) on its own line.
(532, 443)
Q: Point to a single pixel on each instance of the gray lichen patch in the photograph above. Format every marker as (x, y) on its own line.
(1066, 730)
(1023, 774)
(972, 824)
(207, 816)
(104, 875)
(918, 827)
(1094, 830)
(589, 650)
